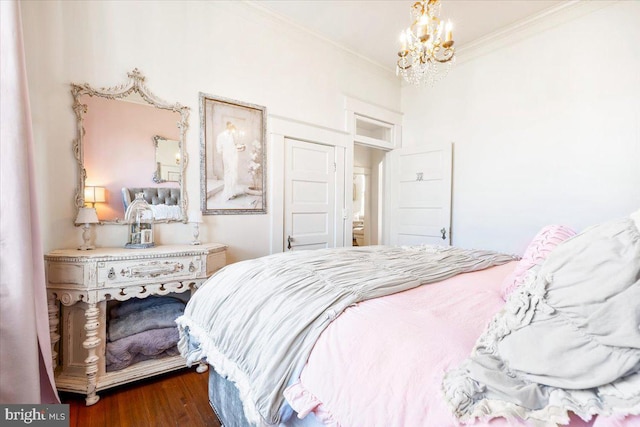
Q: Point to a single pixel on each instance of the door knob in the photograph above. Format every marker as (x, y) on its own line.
(289, 240)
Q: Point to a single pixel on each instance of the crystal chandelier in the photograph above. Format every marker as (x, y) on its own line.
(425, 56)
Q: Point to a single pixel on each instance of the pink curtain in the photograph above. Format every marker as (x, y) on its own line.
(26, 373)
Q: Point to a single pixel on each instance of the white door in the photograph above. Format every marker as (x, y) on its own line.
(421, 196)
(309, 195)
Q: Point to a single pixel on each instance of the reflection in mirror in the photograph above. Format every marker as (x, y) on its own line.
(167, 160)
(115, 126)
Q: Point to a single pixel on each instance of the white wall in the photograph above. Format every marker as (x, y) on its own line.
(545, 130)
(224, 48)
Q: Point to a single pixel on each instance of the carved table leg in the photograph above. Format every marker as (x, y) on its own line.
(91, 343)
(54, 321)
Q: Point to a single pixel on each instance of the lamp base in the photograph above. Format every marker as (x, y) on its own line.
(196, 233)
(86, 239)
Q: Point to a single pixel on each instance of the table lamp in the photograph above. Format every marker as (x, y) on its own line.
(86, 217)
(93, 195)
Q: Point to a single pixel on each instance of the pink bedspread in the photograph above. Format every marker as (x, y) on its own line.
(382, 361)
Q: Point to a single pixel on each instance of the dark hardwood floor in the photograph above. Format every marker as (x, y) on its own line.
(175, 399)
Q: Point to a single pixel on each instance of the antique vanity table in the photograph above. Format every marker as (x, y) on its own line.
(126, 138)
(85, 281)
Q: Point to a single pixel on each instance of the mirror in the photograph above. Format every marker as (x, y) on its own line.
(127, 139)
(167, 160)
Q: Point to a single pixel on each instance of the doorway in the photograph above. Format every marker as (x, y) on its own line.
(309, 195)
(368, 194)
(295, 132)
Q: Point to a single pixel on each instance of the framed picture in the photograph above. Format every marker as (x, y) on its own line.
(232, 157)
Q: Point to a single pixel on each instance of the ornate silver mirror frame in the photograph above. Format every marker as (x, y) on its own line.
(134, 86)
(168, 158)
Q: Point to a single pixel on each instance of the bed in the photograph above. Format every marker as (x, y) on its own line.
(427, 336)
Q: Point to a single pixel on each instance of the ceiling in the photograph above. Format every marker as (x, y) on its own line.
(372, 28)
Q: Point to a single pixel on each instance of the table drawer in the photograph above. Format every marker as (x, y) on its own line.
(69, 275)
(111, 273)
(215, 262)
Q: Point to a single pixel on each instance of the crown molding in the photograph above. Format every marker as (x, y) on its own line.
(530, 26)
(527, 27)
(278, 19)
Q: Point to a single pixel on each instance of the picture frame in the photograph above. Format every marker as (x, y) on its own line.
(232, 157)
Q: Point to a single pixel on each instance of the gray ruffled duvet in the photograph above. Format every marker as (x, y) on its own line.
(567, 340)
(256, 321)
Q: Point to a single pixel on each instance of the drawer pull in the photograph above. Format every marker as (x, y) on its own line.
(192, 267)
(112, 274)
(153, 270)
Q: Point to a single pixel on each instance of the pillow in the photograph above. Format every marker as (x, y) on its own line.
(542, 244)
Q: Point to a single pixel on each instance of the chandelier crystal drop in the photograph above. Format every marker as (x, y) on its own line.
(426, 53)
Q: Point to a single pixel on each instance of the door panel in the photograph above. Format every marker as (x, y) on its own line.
(309, 196)
(310, 192)
(421, 195)
(427, 194)
(310, 223)
(428, 163)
